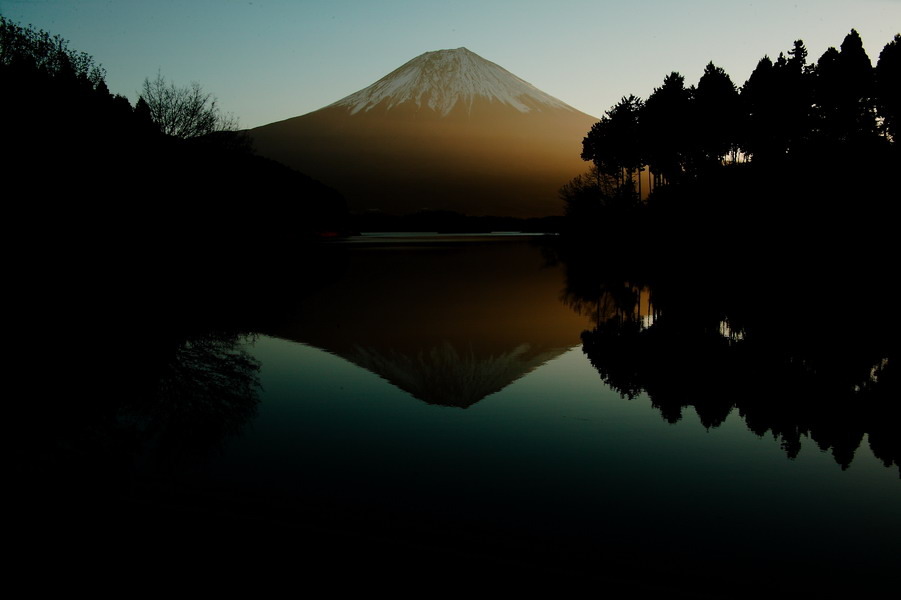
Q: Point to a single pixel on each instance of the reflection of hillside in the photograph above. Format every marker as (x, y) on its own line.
(448, 323)
(724, 346)
(443, 375)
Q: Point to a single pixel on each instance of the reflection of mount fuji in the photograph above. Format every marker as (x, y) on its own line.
(449, 323)
(450, 377)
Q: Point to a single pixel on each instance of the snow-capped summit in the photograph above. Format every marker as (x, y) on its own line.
(443, 79)
(448, 130)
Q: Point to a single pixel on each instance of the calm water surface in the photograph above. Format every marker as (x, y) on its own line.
(442, 388)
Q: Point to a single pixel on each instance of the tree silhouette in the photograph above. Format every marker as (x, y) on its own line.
(716, 115)
(797, 82)
(585, 196)
(776, 103)
(785, 145)
(613, 145)
(858, 99)
(844, 92)
(888, 87)
(185, 112)
(26, 49)
(664, 129)
(827, 91)
(762, 102)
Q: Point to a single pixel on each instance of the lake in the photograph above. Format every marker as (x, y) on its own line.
(454, 404)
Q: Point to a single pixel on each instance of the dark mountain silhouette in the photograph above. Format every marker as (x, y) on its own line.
(448, 130)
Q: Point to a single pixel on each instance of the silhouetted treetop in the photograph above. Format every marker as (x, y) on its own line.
(845, 92)
(716, 114)
(790, 115)
(888, 87)
(184, 112)
(798, 56)
(665, 127)
(24, 48)
(613, 144)
(859, 75)
(762, 100)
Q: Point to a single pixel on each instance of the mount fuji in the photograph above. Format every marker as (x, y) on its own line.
(448, 130)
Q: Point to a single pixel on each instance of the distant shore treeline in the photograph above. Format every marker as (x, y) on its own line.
(800, 153)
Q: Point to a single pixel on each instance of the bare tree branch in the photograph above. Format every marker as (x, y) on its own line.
(185, 112)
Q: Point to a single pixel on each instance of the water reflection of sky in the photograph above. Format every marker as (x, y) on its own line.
(558, 452)
(359, 427)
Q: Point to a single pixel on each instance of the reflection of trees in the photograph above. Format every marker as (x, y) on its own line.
(111, 438)
(205, 392)
(809, 368)
(622, 302)
(160, 398)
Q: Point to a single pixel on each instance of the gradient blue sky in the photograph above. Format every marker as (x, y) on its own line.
(268, 60)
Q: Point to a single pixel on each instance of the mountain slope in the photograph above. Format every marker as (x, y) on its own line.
(447, 130)
(443, 79)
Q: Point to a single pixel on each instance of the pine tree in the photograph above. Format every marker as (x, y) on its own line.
(858, 99)
(664, 129)
(762, 134)
(614, 144)
(888, 87)
(717, 115)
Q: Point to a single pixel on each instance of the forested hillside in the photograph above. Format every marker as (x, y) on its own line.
(799, 156)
